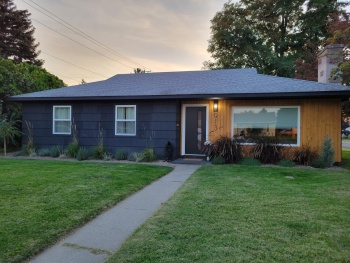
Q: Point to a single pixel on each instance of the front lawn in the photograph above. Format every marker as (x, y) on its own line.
(41, 201)
(249, 214)
(346, 158)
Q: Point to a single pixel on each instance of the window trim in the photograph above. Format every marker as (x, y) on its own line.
(54, 120)
(116, 120)
(291, 106)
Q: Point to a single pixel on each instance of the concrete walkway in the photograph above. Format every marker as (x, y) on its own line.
(98, 239)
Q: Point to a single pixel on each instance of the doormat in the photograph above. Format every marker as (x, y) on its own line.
(192, 159)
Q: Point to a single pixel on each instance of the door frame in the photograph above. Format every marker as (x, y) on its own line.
(183, 124)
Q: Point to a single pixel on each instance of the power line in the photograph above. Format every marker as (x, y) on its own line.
(97, 52)
(73, 64)
(82, 34)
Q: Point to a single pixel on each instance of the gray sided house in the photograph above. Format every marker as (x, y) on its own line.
(136, 111)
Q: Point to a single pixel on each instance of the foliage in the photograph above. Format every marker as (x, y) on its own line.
(56, 151)
(121, 155)
(133, 157)
(99, 151)
(305, 155)
(286, 163)
(21, 78)
(218, 160)
(42, 201)
(83, 154)
(225, 147)
(267, 35)
(29, 148)
(44, 152)
(148, 155)
(72, 149)
(139, 70)
(327, 153)
(250, 162)
(267, 150)
(17, 41)
(8, 129)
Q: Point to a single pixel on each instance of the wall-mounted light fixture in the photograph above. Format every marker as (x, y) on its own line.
(216, 106)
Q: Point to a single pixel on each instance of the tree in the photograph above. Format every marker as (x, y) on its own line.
(267, 34)
(16, 35)
(21, 78)
(9, 130)
(139, 70)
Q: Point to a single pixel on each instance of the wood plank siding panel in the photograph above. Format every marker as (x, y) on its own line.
(318, 118)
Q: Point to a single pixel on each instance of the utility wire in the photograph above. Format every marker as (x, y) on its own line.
(82, 34)
(97, 52)
(73, 64)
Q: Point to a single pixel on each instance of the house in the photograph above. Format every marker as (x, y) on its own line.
(135, 111)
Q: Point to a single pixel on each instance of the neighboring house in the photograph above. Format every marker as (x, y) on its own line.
(135, 111)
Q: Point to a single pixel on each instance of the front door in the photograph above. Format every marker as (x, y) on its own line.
(195, 129)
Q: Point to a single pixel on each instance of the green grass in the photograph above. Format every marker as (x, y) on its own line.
(346, 158)
(40, 201)
(249, 214)
(346, 140)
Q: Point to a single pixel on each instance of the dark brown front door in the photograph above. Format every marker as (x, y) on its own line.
(195, 129)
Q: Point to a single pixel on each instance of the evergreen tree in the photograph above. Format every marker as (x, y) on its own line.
(16, 35)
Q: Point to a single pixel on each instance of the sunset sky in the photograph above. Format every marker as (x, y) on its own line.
(166, 35)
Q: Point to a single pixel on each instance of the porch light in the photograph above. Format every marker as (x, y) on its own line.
(216, 106)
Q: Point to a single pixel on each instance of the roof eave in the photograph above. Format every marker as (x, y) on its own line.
(280, 95)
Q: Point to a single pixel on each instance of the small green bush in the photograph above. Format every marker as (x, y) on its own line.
(44, 152)
(83, 154)
(327, 154)
(121, 155)
(148, 155)
(56, 151)
(133, 156)
(218, 160)
(250, 162)
(29, 149)
(72, 149)
(99, 152)
(286, 163)
(319, 163)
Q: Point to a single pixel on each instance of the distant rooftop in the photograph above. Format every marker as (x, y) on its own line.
(228, 83)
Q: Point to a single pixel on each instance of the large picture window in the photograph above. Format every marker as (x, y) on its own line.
(125, 120)
(62, 119)
(281, 123)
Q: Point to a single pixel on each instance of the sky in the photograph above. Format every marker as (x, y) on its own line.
(158, 35)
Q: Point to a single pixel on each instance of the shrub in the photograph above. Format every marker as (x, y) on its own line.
(327, 154)
(267, 150)
(56, 151)
(286, 163)
(250, 162)
(148, 155)
(133, 157)
(72, 149)
(305, 155)
(319, 163)
(121, 155)
(107, 156)
(218, 160)
(83, 154)
(44, 152)
(99, 152)
(226, 148)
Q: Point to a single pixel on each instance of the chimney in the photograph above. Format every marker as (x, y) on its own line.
(328, 58)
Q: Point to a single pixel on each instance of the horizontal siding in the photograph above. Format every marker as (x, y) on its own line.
(156, 125)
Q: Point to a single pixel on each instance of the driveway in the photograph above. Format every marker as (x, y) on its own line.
(346, 145)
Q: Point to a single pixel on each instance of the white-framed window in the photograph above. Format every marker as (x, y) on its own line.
(125, 120)
(62, 117)
(280, 122)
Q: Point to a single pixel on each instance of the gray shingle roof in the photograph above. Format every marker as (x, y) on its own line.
(230, 83)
